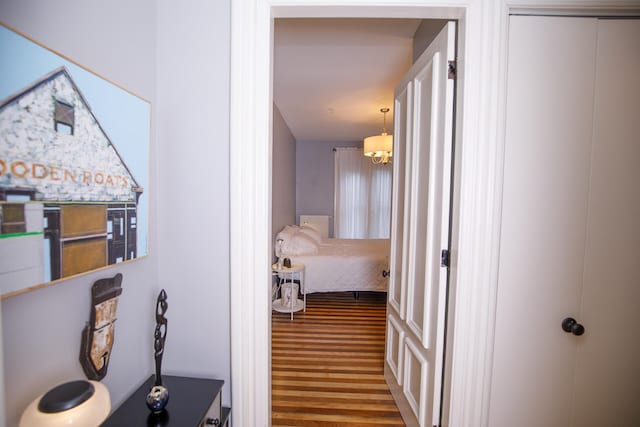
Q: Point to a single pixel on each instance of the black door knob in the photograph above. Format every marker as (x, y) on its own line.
(570, 325)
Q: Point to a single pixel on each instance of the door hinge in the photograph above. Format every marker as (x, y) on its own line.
(444, 258)
(452, 70)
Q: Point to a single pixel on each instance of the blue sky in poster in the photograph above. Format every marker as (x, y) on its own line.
(124, 117)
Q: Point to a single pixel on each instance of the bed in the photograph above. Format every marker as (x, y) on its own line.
(335, 265)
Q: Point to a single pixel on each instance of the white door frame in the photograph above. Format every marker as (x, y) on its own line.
(478, 177)
(477, 193)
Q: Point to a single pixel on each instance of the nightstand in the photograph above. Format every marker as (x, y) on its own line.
(193, 402)
(285, 295)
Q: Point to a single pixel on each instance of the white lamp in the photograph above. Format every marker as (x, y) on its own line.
(76, 403)
(380, 147)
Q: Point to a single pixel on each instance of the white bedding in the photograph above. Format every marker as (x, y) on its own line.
(346, 265)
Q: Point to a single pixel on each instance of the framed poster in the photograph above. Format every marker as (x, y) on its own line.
(74, 168)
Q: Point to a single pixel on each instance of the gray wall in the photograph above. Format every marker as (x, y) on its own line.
(41, 329)
(314, 178)
(426, 32)
(192, 120)
(177, 57)
(283, 175)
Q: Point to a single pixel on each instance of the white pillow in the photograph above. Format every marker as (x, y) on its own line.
(299, 244)
(286, 233)
(311, 232)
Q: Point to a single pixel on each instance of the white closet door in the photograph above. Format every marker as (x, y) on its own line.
(570, 237)
(420, 231)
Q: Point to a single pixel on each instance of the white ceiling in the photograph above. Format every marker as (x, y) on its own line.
(332, 76)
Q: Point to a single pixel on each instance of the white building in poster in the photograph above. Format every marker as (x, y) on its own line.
(69, 202)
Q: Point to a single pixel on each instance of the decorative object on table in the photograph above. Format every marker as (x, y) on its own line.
(279, 253)
(287, 262)
(158, 396)
(79, 403)
(75, 151)
(98, 334)
(285, 294)
(157, 399)
(289, 294)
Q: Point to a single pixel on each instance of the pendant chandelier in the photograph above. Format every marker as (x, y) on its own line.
(380, 147)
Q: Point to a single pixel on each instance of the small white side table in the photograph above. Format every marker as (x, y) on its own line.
(284, 303)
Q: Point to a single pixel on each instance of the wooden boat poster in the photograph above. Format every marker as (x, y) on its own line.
(74, 168)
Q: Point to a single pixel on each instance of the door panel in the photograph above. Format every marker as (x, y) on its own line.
(607, 383)
(132, 232)
(400, 198)
(116, 235)
(416, 377)
(423, 83)
(423, 233)
(83, 255)
(545, 196)
(77, 220)
(395, 348)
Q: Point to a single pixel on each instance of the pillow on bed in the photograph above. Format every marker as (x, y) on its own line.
(311, 232)
(287, 232)
(299, 244)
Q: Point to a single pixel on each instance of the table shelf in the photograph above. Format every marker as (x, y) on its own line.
(283, 307)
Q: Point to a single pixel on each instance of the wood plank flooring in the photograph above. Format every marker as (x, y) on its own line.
(327, 364)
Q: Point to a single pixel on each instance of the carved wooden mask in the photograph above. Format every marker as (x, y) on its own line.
(98, 334)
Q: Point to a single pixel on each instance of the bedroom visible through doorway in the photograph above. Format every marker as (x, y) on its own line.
(289, 169)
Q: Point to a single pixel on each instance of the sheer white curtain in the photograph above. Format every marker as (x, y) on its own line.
(362, 196)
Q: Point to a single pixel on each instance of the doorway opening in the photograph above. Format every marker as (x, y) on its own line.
(251, 335)
(312, 120)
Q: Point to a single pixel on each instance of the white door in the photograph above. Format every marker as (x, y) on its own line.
(570, 245)
(423, 113)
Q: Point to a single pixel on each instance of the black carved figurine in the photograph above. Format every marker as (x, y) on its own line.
(159, 395)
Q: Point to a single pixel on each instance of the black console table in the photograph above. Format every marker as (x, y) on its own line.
(192, 402)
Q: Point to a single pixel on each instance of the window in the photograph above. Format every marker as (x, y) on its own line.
(15, 195)
(64, 118)
(362, 196)
(12, 210)
(12, 218)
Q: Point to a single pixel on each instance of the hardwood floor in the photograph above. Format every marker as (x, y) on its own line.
(327, 364)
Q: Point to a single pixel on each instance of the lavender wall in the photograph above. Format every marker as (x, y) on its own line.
(283, 181)
(314, 178)
(176, 55)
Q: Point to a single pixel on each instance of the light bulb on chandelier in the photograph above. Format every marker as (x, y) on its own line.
(380, 147)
